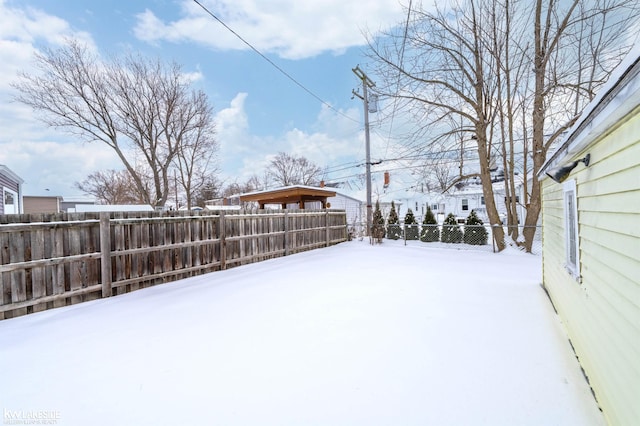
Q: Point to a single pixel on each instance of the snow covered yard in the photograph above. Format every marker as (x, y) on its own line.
(349, 335)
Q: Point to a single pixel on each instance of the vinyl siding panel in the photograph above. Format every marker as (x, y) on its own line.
(34, 205)
(602, 312)
(606, 249)
(614, 222)
(620, 317)
(7, 182)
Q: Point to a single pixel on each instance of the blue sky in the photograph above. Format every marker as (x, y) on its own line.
(259, 111)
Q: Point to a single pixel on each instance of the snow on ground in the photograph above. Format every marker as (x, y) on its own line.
(349, 335)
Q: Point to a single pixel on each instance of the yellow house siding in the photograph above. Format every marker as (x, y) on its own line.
(609, 256)
(618, 316)
(613, 222)
(602, 312)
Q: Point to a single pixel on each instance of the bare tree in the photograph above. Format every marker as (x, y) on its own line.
(111, 187)
(257, 183)
(210, 189)
(194, 159)
(512, 90)
(574, 53)
(308, 172)
(443, 76)
(287, 170)
(143, 109)
(282, 170)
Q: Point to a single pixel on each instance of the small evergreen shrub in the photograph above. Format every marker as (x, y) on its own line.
(378, 230)
(430, 231)
(411, 229)
(451, 232)
(394, 231)
(474, 231)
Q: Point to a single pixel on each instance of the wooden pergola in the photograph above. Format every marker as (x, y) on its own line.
(297, 194)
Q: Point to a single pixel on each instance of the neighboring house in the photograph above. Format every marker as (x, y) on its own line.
(460, 202)
(11, 201)
(385, 208)
(70, 205)
(233, 200)
(84, 208)
(42, 204)
(52, 204)
(220, 207)
(356, 210)
(471, 197)
(591, 240)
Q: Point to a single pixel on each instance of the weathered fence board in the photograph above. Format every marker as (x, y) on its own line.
(48, 261)
(57, 271)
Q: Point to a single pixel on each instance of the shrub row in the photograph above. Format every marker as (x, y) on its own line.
(474, 231)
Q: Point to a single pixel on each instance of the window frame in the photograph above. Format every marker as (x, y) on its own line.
(571, 234)
(5, 192)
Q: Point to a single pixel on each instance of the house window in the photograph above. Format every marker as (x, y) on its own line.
(10, 202)
(482, 200)
(434, 207)
(572, 243)
(8, 197)
(465, 204)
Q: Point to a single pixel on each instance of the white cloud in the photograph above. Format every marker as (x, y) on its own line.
(21, 30)
(41, 156)
(293, 29)
(337, 139)
(16, 56)
(241, 153)
(192, 77)
(232, 122)
(52, 168)
(45, 158)
(28, 26)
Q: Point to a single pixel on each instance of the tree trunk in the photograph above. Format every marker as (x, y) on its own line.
(487, 190)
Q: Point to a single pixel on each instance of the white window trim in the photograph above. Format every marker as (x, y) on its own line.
(571, 235)
(16, 201)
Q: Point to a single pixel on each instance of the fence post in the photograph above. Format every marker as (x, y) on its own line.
(105, 253)
(328, 229)
(223, 241)
(286, 233)
(493, 238)
(404, 234)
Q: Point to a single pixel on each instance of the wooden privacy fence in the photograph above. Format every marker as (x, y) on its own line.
(48, 261)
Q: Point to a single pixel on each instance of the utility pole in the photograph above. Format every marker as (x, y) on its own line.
(366, 83)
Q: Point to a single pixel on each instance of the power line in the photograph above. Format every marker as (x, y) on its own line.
(341, 167)
(276, 66)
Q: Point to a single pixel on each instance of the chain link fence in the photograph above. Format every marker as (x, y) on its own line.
(460, 236)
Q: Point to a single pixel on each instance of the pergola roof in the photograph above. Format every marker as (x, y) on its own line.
(288, 195)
